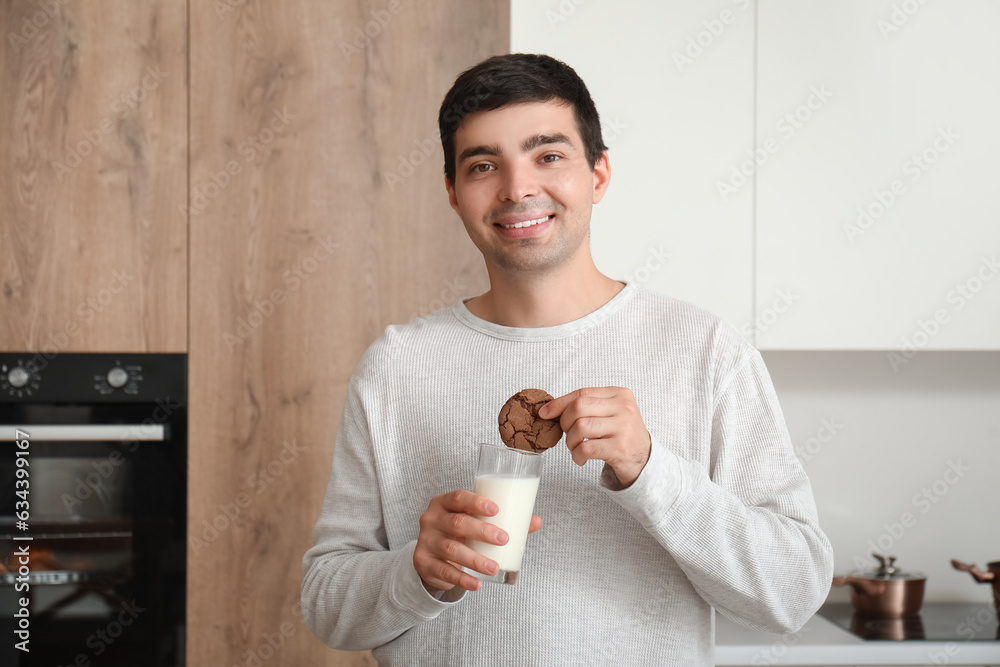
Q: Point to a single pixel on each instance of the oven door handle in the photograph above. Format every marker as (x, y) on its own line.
(84, 432)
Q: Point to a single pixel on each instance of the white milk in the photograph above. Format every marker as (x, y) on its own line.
(515, 496)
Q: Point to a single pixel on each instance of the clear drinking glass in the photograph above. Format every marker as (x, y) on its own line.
(509, 477)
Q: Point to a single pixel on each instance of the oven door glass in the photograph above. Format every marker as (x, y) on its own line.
(107, 515)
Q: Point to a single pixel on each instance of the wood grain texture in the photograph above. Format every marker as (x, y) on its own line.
(93, 149)
(318, 216)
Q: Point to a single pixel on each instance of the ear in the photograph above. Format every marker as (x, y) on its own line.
(602, 176)
(452, 197)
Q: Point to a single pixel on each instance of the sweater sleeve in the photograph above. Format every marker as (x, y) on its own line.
(356, 593)
(743, 528)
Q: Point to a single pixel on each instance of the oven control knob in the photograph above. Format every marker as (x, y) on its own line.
(117, 377)
(18, 377)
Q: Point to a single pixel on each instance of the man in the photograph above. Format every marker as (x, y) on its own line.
(694, 500)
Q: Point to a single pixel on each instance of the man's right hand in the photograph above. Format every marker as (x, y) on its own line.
(441, 551)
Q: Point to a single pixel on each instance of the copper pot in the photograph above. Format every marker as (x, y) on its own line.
(886, 592)
(991, 576)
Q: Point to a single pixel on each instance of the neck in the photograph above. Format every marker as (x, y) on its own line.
(555, 298)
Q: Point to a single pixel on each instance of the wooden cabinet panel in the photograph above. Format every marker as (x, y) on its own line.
(93, 163)
(318, 216)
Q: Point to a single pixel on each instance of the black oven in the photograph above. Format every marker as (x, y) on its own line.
(93, 507)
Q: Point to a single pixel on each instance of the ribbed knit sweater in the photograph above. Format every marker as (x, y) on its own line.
(722, 517)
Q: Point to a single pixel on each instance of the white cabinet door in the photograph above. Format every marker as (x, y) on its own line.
(878, 209)
(673, 82)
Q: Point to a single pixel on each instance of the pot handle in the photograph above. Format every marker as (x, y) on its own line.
(977, 574)
(866, 586)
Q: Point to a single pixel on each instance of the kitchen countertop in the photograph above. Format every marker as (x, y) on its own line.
(822, 642)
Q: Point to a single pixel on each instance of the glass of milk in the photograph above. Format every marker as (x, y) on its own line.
(508, 477)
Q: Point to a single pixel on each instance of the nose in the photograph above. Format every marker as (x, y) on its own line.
(519, 182)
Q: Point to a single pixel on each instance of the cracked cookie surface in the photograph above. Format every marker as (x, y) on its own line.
(522, 428)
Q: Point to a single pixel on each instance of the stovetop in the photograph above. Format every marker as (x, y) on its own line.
(949, 622)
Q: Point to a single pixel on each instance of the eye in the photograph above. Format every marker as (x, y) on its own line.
(476, 168)
(545, 158)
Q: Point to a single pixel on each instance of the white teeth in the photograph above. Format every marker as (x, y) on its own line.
(526, 223)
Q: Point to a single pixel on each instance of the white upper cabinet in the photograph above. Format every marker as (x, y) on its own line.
(830, 183)
(878, 211)
(673, 82)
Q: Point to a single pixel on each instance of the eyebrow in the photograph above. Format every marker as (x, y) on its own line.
(528, 144)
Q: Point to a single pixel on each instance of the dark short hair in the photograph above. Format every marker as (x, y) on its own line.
(515, 78)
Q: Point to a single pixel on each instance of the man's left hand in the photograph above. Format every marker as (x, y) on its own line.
(603, 423)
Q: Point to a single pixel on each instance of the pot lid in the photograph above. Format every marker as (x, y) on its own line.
(887, 570)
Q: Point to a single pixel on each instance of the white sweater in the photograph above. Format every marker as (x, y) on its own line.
(721, 517)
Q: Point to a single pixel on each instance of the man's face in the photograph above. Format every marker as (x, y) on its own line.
(525, 163)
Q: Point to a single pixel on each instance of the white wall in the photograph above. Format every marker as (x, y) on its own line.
(675, 130)
(889, 437)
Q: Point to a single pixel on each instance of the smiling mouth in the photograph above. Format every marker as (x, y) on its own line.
(526, 223)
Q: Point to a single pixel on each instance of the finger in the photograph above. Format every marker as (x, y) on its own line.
(467, 581)
(589, 428)
(589, 406)
(593, 449)
(463, 526)
(445, 576)
(468, 502)
(536, 523)
(460, 555)
(555, 407)
(435, 583)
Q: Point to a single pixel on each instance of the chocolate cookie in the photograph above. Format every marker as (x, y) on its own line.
(522, 428)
